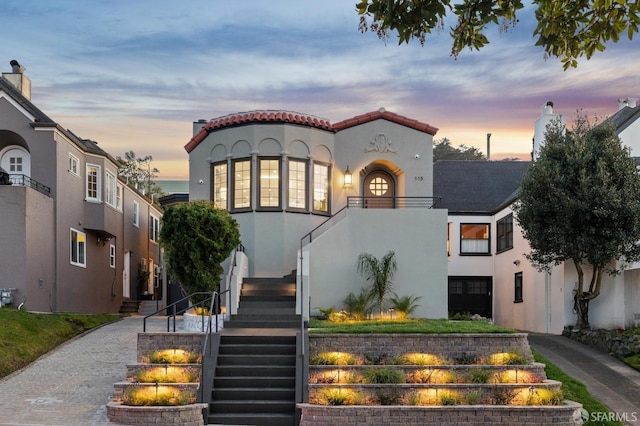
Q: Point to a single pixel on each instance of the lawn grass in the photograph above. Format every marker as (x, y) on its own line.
(424, 326)
(574, 390)
(25, 336)
(632, 361)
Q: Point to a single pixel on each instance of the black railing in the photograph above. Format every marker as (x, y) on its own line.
(171, 311)
(24, 180)
(393, 202)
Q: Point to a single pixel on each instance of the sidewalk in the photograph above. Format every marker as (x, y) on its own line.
(608, 379)
(72, 384)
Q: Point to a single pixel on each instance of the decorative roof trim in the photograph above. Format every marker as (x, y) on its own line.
(386, 115)
(261, 116)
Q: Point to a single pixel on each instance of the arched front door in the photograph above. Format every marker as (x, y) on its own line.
(379, 190)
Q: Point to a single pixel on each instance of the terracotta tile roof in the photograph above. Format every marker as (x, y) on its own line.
(264, 116)
(276, 116)
(385, 115)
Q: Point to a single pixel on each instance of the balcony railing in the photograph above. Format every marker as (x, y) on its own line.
(393, 202)
(24, 180)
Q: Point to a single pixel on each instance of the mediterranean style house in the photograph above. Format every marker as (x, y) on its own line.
(74, 236)
(311, 195)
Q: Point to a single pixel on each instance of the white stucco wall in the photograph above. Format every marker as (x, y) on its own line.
(418, 236)
(631, 138)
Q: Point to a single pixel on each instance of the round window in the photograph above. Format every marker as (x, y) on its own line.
(378, 186)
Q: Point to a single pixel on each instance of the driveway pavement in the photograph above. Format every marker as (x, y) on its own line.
(72, 384)
(608, 379)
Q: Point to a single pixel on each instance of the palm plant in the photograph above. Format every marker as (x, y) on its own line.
(358, 305)
(380, 273)
(404, 305)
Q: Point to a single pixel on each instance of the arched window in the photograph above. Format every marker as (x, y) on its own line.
(16, 160)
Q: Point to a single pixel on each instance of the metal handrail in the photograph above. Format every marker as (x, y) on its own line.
(176, 312)
(24, 180)
(393, 202)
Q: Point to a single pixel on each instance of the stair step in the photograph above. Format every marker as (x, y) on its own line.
(258, 340)
(269, 280)
(251, 370)
(258, 304)
(262, 324)
(253, 394)
(253, 406)
(257, 382)
(262, 315)
(266, 349)
(252, 419)
(266, 298)
(257, 360)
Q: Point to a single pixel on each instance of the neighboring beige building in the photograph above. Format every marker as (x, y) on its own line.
(294, 181)
(73, 236)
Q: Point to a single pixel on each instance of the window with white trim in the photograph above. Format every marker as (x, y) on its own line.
(297, 184)
(93, 183)
(110, 189)
(269, 188)
(136, 214)
(242, 184)
(119, 193)
(112, 256)
(78, 243)
(320, 187)
(220, 185)
(74, 165)
(154, 228)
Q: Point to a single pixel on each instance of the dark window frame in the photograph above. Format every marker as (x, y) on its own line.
(304, 209)
(260, 207)
(232, 186)
(488, 239)
(517, 288)
(504, 234)
(313, 188)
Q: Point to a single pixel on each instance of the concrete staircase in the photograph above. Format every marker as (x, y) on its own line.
(255, 375)
(129, 306)
(266, 303)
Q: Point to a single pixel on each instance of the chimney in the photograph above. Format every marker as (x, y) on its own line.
(488, 146)
(627, 102)
(198, 125)
(541, 124)
(17, 78)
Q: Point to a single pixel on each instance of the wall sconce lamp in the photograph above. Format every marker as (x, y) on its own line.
(348, 178)
(516, 262)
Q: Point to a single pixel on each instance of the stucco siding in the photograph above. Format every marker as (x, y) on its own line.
(417, 236)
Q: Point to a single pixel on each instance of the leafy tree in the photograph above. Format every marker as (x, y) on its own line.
(140, 174)
(567, 29)
(197, 237)
(443, 150)
(580, 202)
(380, 273)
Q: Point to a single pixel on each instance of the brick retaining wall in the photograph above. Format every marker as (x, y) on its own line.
(450, 346)
(316, 415)
(150, 342)
(183, 415)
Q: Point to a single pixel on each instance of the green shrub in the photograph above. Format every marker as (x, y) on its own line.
(404, 305)
(449, 398)
(473, 397)
(342, 397)
(333, 358)
(382, 375)
(358, 306)
(478, 375)
(388, 396)
(156, 396)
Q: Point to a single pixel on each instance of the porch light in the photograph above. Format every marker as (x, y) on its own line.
(347, 178)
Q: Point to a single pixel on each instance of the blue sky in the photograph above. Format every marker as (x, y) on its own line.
(136, 74)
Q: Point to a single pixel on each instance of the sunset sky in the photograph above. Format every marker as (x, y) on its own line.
(134, 75)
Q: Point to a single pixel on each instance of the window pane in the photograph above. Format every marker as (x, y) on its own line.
(74, 247)
(297, 184)
(220, 185)
(320, 187)
(474, 238)
(242, 185)
(93, 173)
(269, 183)
(378, 186)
